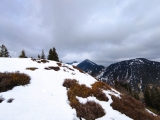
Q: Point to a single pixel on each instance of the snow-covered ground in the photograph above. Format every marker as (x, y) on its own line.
(45, 98)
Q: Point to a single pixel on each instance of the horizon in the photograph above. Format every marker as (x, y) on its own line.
(104, 32)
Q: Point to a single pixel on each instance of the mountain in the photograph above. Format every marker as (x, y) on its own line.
(75, 63)
(57, 91)
(91, 67)
(138, 72)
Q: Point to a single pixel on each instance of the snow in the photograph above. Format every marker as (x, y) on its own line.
(45, 98)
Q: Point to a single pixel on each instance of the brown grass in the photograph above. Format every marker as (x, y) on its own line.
(89, 111)
(59, 64)
(31, 68)
(44, 61)
(101, 85)
(54, 68)
(68, 68)
(1, 99)
(10, 80)
(132, 108)
(78, 69)
(10, 100)
(38, 61)
(69, 83)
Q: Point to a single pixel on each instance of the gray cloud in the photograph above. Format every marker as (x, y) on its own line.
(105, 31)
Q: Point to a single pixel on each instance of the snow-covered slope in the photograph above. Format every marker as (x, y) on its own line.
(45, 98)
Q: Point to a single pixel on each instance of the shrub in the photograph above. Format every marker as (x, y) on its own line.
(59, 64)
(98, 93)
(90, 111)
(44, 61)
(31, 68)
(101, 85)
(46, 68)
(10, 80)
(68, 68)
(132, 108)
(38, 61)
(54, 68)
(10, 100)
(1, 99)
(69, 83)
(78, 69)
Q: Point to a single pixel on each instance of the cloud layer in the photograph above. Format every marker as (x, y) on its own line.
(105, 31)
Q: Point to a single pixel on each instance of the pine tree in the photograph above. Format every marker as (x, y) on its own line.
(42, 55)
(147, 96)
(3, 51)
(50, 56)
(53, 55)
(39, 56)
(23, 54)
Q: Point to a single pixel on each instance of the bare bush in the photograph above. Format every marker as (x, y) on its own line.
(90, 111)
(69, 83)
(59, 64)
(1, 99)
(10, 100)
(10, 80)
(132, 108)
(54, 68)
(78, 69)
(31, 68)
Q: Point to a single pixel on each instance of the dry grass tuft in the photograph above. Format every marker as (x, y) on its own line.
(44, 61)
(31, 68)
(132, 108)
(1, 99)
(54, 68)
(69, 83)
(10, 80)
(10, 100)
(78, 69)
(59, 64)
(101, 85)
(89, 111)
(99, 94)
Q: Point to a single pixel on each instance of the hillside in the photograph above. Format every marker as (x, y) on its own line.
(47, 98)
(138, 72)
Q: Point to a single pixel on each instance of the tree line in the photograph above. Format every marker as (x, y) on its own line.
(52, 54)
(152, 97)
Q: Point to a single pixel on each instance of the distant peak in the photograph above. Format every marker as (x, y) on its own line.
(87, 60)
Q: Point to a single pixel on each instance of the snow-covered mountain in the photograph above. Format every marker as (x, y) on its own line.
(45, 98)
(91, 67)
(139, 72)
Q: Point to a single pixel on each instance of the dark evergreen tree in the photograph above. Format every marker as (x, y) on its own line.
(23, 54)
(3, 51)
(39, 56)
(53, 55)
(147, 97)
(42, 55)
(50, 56)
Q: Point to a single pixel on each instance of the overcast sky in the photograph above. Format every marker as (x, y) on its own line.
(104, 31)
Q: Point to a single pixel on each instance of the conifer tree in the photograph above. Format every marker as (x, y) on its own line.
(39, 56)
(42, 55)
(53, 55)
(23, 54)
(3, 51)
